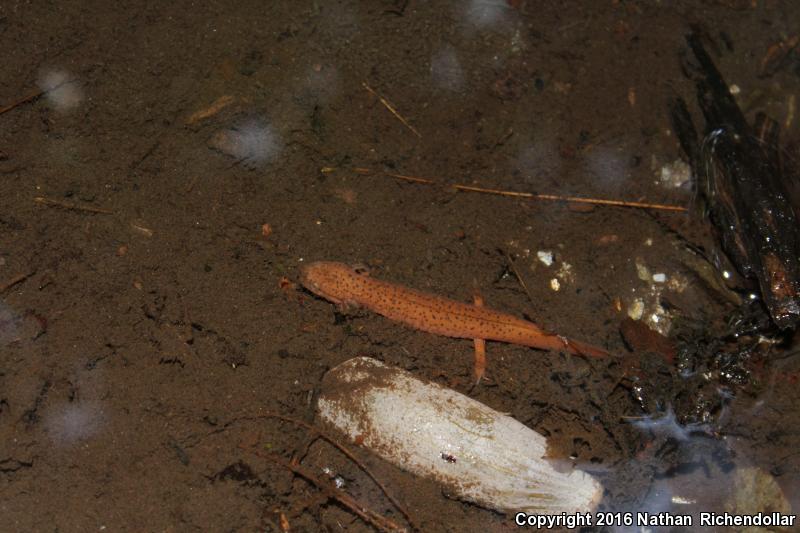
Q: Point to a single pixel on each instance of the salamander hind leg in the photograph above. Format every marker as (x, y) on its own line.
(480, 346)
(346, 306)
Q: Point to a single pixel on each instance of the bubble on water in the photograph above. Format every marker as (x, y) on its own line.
(339, 18)
(8, 325)
(681, 492)
(61, 89)
(609, 167)
(252, 142)
(483, 13)
(666, 424)
(446, 71)
(72, 422)
(658, 500)
(539, 163)
(321, 81)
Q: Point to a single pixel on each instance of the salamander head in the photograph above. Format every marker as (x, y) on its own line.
(326, 279)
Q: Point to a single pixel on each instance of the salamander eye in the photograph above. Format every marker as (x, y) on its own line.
(361, 269)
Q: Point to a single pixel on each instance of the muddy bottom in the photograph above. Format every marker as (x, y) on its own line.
(165, 171)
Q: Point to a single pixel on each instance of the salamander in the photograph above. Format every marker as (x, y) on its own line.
(345, 286)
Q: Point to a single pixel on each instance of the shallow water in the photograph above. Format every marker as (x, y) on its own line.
(146, 339)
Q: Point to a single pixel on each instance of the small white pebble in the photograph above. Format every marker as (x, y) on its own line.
(545, 256)
(659, 277)
(648, 242)
(565, 272)
(675, 174)
(678, 283)
(641, 270)
(734, 89)
(554, 284)
(636, 309)
(659, 320)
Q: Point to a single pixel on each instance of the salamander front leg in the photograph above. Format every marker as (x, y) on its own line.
(480, 346)
(346, 306)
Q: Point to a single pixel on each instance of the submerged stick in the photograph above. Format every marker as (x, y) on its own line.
(69, 205)
(19, 278)
(551, 197)
(371, 517)
(515, 270)
(30, 97)
(528, 195)
(347, 453)
(391, 109)
(24, 100)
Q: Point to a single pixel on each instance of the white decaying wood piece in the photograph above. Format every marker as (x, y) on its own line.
(477, 453)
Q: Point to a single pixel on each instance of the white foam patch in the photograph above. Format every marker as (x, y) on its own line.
(610, 167)
(538, 162)
(253, 142)
(61, 90)
(339, 18)
(8, 325)
(322, 81)
(483, 13)
(446, 71)
(667, 425)
(659, 500)
(72, 422)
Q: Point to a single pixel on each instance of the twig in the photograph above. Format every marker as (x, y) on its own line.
(532, 196)
(13, 281)
(506, 136)
(350, 456)
(32, 96)
(514, 269)
(144, 230)
(216, 106)
(68, 205)
(24, 100)
(776, 55)
(192, 183)
(371, 517)
(391, 109)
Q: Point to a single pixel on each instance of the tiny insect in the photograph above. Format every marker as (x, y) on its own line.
(449, 458)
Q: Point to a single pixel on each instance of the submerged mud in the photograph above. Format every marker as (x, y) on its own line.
(166, 169)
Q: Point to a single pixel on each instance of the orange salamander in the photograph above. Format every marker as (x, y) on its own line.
(345, 286)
